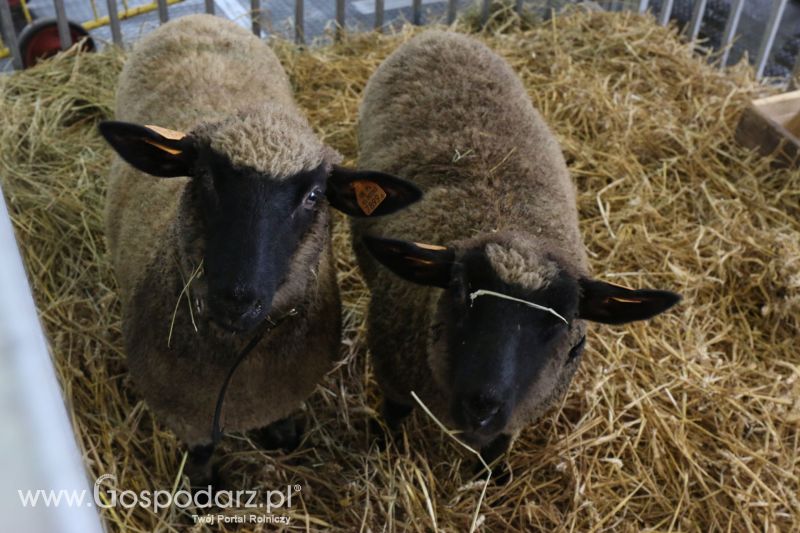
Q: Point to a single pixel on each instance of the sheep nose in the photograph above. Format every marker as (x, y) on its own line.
(481, 409)
(238, 309)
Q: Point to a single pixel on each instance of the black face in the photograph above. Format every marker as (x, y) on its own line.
(253, 224)
(498, 348)
(497, 351)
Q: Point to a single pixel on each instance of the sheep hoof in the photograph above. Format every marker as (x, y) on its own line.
(394, 413)
(200, 468)
(285, 435)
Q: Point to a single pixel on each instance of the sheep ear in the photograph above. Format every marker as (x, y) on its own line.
(151, 149)
(364, 193)
(425, 264)
(612, 304)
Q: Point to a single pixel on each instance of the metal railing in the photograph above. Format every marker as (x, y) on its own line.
(39, 451)
(663, 15)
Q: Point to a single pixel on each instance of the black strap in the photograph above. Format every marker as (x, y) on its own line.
(266, 327)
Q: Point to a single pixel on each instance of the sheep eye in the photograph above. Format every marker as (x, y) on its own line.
(312, 198)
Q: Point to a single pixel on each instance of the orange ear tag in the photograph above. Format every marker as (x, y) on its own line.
(164, 132)
(369, 195)
(169, 134)
(173, 151)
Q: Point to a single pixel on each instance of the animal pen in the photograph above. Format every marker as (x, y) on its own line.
(690, 423)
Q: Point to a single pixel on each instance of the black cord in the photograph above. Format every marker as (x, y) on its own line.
(269, 325)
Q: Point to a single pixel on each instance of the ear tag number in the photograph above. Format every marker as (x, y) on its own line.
(369, 195)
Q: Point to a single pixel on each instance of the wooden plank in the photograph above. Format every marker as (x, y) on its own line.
(779, 107)
(763, 127)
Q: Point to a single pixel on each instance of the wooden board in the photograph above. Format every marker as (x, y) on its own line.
(764, 126)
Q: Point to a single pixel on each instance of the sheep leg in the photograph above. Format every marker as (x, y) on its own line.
(199, 466)
(393, 414)
(284, 434)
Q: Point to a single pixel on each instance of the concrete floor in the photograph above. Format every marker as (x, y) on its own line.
(278, 17)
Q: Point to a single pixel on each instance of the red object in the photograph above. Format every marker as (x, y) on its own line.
(40, 40)
(13, 3)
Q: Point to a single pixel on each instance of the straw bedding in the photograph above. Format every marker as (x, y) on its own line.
(689, 422)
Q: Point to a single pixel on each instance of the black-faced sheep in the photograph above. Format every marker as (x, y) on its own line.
(499, 208)
(214, 230)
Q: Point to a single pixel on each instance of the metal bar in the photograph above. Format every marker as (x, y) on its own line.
(340, 15)
(95, 14)
(697, 19)
(26, 12)
(379, 15)
(643, 5)
(775, 16)
(39, 445)
(9, 36)
(485, 12)
(299, 22)
(163, 14)
(210, 8)
(255, 17)
(416, 12)
(451, 10)
(63, 25)
(113, 18)
(125, 14)
(666, 11)
(730, 31)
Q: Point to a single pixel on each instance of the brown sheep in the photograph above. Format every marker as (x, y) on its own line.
(216, 230)
(450, 115)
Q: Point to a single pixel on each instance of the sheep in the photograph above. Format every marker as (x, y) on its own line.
(214, 231)
(491, 329)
